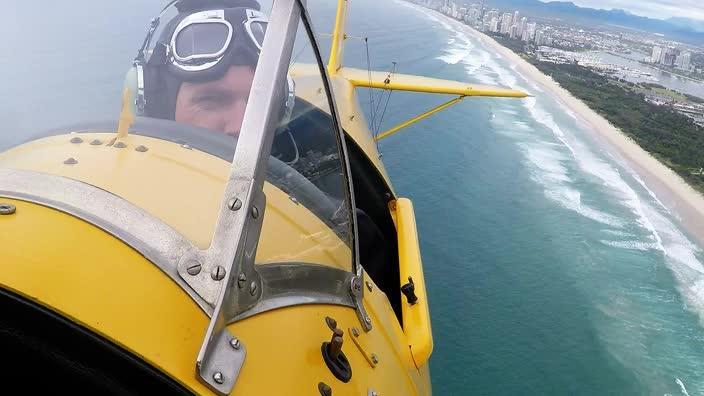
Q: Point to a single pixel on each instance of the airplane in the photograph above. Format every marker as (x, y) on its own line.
(150, 255)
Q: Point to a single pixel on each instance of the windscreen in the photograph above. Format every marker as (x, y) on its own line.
(308, 218)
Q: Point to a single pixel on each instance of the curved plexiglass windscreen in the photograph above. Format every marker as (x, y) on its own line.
(308, 211)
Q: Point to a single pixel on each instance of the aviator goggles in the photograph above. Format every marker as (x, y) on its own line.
(201, 40)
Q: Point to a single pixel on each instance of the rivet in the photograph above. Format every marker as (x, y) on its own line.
(324, 389)
(7, 209)
(76, 140)
(252, 288)
(235, 343)
(218, 273)
(234, 204)
(70, 161)
(241, 279)
(193, 268)
(119, 145)
(374, 358)
(369, 285)
(355, 332)
(141, 148)
(96, 142)
(255, 212)
(368, 320)
(217, 377)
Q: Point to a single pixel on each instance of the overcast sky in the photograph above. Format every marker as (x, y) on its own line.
(661, 9)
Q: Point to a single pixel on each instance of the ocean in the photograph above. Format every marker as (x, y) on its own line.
(551, 267)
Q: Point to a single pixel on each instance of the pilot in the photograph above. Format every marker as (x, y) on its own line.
(201, 67)
(200, 72)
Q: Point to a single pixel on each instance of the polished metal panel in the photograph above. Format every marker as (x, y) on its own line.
(155, 240)
(290, 284)
(224, 364)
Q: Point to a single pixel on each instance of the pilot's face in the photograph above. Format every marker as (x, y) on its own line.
(218, 105)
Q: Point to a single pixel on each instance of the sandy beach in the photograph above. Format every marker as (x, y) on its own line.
(685, 202)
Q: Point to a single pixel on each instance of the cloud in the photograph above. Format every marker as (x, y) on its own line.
(660, 9)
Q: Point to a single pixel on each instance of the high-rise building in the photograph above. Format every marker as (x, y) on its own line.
(494, 25)
(539, 38)
(684, 61)
(529, 32)
(657, 54)
(668, 57)
(513, 32)
(506, 23)
(521, 27)
(515, 18)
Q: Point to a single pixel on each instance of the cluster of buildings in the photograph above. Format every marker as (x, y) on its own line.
(672, 57)
(513, 24)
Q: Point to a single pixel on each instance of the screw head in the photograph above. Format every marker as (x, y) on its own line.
(255, 212)
(217, 273)
(234, 204)
(355, 332)
(369, 285)
(235, 343)
(141, 148)
(76, 140)
(241, 279)
(374, 358)
(368, 320)
(218, 377)
(193, 268)
(70, 161)
(252, 288)
(7, 209)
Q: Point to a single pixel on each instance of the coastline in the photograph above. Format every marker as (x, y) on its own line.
(686, 203)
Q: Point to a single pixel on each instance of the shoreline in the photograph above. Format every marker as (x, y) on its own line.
(685, 203)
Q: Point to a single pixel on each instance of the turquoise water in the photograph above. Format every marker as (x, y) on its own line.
(551, 268)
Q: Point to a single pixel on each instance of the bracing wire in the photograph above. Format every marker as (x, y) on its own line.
(388, 96)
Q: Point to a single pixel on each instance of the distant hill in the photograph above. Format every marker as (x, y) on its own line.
(682, 29)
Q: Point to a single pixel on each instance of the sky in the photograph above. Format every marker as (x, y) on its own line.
(660, 9)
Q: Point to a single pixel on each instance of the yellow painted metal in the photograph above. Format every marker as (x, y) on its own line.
(417, 118)
(416, 318)
(339, 36)
(96, 281)
(182, 187)
(407, 82)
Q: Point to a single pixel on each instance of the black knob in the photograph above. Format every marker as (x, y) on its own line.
(409, 290)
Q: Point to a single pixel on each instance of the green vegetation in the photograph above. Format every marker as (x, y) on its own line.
(671, 137)
(512, 44)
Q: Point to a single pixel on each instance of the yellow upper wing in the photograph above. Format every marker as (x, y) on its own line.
(406, 82)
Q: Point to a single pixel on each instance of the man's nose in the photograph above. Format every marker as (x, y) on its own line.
(235, 115)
